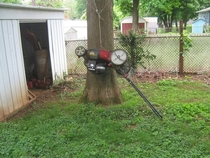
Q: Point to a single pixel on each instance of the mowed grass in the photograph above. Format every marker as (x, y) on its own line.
(69, 129)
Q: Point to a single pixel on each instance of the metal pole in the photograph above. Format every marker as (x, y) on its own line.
(145, 99)
(181, 59)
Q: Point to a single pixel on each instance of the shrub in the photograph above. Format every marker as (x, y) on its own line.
(133, 43)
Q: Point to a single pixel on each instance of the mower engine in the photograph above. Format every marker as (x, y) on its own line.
(97, 61)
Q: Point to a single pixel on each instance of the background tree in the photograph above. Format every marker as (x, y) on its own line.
(130, 7)
(203, 4)
(100, 89)
(164, 10)
(171, 11)
(71, 5)
(11, 1)
(80, 8)
(188, 10)
(135, 16)
(118, 16)
(125, 6)
(50, 3)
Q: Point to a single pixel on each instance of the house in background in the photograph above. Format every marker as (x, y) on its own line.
(148, 24)
(75, 29)
(152, 25)
(204, 14)
(201, 24)
(31, 40)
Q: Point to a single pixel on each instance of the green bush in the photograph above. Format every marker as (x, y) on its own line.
(133, 43)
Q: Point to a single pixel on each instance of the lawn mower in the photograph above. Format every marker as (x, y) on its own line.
(97, 61)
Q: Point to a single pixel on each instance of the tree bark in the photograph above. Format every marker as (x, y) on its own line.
(135, 23)
(98, 89)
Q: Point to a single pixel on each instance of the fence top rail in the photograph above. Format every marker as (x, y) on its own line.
(75, 40)
(200, 35)
(153, 36)
(177, 35)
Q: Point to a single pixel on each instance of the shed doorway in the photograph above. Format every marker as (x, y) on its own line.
(35, 46)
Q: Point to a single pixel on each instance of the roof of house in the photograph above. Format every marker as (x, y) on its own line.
(204, 10)
(199, 20)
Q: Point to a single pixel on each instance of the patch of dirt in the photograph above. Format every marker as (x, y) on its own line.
(154, 77)
(50, 95)
(74, 82)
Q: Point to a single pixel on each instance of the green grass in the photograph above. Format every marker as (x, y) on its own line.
(64, 129)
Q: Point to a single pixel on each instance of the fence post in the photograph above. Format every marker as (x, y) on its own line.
(181, 59)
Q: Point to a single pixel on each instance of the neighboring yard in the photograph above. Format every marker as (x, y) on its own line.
(56, 125)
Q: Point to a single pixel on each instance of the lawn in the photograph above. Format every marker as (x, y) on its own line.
(65, 128)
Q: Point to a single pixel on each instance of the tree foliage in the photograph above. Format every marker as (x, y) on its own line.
(49, 3)
(133, 43)
(125, 6)
(11, 1)
(71, 5)
(167, 11)
(80, 8)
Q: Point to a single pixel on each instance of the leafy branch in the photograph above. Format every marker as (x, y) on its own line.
(187, 43)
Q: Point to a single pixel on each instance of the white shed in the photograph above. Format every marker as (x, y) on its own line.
(32, 46)
(75, 29)
(126, 24)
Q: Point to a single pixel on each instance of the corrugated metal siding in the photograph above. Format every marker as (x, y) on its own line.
(57, 48)
(13, 91)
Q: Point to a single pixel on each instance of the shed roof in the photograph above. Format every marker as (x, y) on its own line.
(9, 5)
(17, 11)
(130, 19)
(204, 10)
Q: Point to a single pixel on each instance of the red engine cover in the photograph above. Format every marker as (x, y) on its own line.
(105, 55)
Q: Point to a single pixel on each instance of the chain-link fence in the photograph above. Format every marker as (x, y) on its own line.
(166, 50)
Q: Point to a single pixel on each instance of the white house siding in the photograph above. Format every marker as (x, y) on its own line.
(57, 48)
(13, 91)
(204, 14)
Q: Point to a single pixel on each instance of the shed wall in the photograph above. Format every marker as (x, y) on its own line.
(13, 91)
(198, 26)
(128, 26)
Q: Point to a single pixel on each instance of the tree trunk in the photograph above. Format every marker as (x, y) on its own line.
(135, 23)
(98, 89)
(177, 28)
